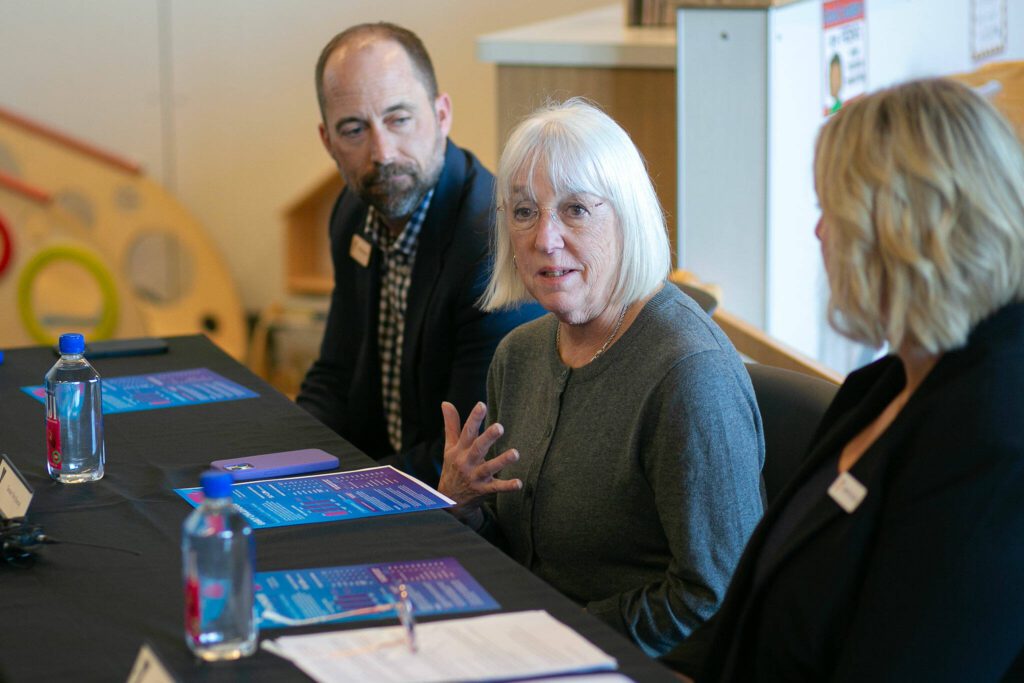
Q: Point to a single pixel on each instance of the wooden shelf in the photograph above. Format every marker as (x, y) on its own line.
(310, 284)
(639, 100)
(592, 39)
(628, 71)
(307, 265)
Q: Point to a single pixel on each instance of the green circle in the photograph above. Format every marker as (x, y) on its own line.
(108, 319)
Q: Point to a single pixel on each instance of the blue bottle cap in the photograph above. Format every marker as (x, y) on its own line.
(216, 484)
(72, 343)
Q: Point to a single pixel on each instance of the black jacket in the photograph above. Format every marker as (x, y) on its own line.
(923, 581)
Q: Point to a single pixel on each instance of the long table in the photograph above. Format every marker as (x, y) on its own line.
(81, 613)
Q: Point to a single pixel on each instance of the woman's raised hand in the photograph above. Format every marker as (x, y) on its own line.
(466, 475)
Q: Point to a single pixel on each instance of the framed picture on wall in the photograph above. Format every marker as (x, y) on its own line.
(845, 45)
(988, 28)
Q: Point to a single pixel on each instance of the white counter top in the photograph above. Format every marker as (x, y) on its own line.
(596, 38)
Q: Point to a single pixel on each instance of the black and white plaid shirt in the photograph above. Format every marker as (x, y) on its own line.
(397, 257)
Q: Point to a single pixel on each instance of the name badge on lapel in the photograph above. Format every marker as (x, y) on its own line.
(359, 250)
(847, 492)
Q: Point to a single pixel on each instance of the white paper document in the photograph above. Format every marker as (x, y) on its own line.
(586, 678)
(492, 647)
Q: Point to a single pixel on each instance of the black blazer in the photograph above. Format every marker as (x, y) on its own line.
(448, 341)
(925, 579)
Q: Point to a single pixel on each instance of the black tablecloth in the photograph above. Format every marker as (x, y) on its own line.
(81, 613)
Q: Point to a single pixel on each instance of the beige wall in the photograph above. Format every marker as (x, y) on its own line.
(215, 97)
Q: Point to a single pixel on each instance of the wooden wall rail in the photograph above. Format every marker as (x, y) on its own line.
(24, 189)
(759, 346)
(753, 342)
(68, 141)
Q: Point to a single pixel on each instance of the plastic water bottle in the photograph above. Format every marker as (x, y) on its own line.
(74, 416)
(218, 565)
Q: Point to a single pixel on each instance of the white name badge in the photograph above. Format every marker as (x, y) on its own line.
(15, 493)
(148, 668)
(359, 250)
(847, 492)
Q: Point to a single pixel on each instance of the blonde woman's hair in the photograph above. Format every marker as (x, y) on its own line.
(921, 189)
(582, 150)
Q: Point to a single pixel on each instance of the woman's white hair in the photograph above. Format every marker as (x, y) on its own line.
(582, 150)
(922, 195)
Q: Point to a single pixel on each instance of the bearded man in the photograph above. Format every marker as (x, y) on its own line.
(409, 242)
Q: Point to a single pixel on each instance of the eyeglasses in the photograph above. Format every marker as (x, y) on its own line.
(573, 213)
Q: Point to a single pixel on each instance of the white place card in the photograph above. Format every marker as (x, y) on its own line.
(15, 493)
(149, 669)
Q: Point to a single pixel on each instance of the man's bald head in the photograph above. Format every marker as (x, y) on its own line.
(362, 34)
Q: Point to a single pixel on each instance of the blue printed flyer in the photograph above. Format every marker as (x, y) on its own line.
(361, 592)
(162, 390)
(330, 497)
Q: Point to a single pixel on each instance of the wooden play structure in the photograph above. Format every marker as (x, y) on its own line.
(307, 266)
(89, 243)
(286, 337)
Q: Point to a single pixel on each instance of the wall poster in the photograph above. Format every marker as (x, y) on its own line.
(845, 45)
(988, 28)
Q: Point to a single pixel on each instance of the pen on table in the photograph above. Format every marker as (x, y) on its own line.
(404, 607)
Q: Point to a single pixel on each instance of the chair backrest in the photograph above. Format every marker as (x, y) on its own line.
(751, 341)
(705, 299)
(792, 404)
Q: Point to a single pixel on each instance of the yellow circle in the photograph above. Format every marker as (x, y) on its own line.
(108, 319)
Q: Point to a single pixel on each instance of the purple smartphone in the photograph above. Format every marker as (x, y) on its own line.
(281, 464)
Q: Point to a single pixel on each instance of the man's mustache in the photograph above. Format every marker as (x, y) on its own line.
(383, 174)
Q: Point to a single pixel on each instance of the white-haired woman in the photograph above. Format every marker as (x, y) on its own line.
(897, 553)
(624, 441)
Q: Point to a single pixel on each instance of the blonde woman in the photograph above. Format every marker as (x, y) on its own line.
(897, 552)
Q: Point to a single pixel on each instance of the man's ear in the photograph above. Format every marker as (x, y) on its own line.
(324, 137)
(443, 112)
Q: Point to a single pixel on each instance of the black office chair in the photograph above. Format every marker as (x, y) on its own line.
(705, 299)
(792, 404)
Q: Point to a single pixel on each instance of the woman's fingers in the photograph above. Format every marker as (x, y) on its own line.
(452, 424)
(491, 467)
(468, 439)
(471, 429)
(482, 444)
(504, 485)
(467, 474)
(483, 481)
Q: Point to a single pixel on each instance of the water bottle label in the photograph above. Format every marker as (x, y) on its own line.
(53, 443)
(193, 622)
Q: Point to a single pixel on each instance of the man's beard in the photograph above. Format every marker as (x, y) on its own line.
(396, 198)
